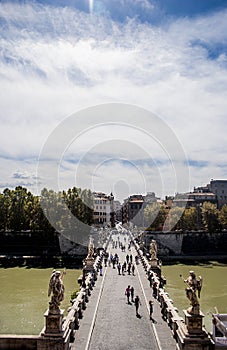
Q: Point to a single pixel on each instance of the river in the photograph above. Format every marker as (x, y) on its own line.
(214, 289)
(23, 294)
(23, 298)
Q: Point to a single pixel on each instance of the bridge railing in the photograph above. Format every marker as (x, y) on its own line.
(75, 312)
(169, 312)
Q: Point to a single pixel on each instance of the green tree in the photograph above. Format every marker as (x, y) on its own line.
(210, 216)
(18, 216)
(222, 217)
(5, 202)
(155, 216)
(189, 219)
(174, 218)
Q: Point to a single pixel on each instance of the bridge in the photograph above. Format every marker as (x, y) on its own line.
(111, 323)
(101, 318)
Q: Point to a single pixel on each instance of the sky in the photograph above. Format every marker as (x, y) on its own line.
(127, 96)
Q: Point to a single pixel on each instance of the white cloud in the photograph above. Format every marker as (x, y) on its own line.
(56, 61)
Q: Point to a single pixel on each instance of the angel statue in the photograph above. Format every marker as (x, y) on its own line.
(193, 285)
(153, 250)
(91, 248)
(57, 289)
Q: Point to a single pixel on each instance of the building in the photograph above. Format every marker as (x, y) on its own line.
(103, 209)
(219, 188)
(215, 189)
(133, 208)
(194, 199)
(117, 211)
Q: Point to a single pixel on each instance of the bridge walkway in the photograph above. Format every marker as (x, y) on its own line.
(110, 323)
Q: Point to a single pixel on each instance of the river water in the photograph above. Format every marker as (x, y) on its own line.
(214, 289)
(23, 294)
(23, 298)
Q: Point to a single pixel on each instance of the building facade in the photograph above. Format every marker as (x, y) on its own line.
(133, 208)
(219, 188)
(103, 209)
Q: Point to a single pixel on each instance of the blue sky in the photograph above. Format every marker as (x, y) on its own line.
(60, 57)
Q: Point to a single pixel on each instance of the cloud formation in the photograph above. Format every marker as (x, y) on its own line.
(57, 60)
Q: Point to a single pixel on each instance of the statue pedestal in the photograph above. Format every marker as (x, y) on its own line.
(89, 265)
(154, 262)
(154, 266)
(53, 324)
(192, 335)
(194, 323)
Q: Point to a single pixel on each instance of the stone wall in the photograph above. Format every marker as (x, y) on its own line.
(18, 342)
(29, 243)
(188, 244)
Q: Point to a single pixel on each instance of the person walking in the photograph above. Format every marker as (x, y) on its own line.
(129, 268)
(127, 258)
(151, 309)
(133, 269)
(132, 294)
(119, 268)
(155, 289)
(137, 304)
(127, 293)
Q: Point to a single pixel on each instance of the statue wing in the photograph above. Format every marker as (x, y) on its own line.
(51, 283)
(200, 282)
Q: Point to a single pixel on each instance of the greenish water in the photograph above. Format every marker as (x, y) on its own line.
(23, 298)
(23, 294)
(214, 290)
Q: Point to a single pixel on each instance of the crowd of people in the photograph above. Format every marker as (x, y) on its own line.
(127, 266)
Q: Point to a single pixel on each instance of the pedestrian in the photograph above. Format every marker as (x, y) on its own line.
(155, 289)
(127, 293)
(137, 304)
(124, 266)
(119, 268)
(100, 270)
(151, 309)
(131, 258)
(150, 278)
(127, 258)
(133, 269)
(129, 268)
(132, 294)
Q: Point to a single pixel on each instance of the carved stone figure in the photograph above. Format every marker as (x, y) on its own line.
(194, 285)
(57, 289)
(153, 250)
(91, 248)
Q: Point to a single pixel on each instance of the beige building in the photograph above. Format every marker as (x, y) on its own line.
(219, 188)
(103, 208)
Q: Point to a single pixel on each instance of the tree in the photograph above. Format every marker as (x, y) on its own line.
(210, 216)
(222, 217)
(174, 218)
(189, 219)
(154, 216)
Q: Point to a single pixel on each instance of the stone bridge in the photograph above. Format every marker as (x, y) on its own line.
(101, 318)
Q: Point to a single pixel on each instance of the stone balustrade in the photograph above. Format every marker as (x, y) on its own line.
(75, 312)
(168, 310)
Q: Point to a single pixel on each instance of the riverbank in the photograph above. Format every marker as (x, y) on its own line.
(23, 298)
(29, 261)
(214, 289)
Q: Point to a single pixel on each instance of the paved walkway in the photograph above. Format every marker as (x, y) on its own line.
(110, 323)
